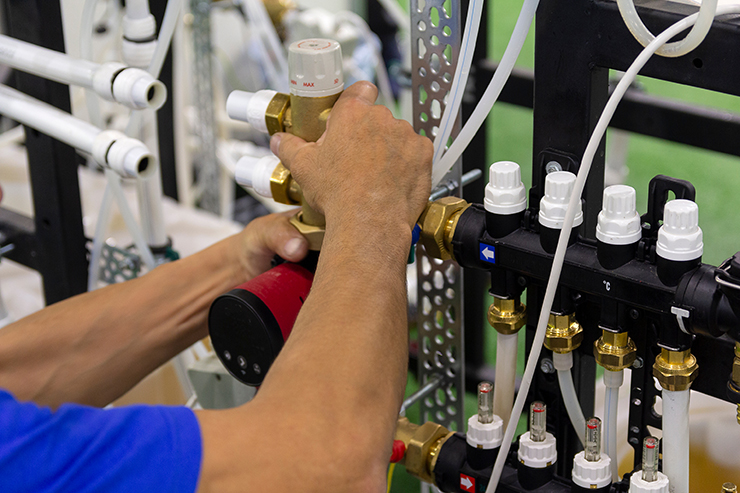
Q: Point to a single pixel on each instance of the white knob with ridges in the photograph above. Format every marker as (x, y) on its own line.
(618, 222)
(554, 204)
(680, 238)
(505, 192)
(315, 68)
(592, 474)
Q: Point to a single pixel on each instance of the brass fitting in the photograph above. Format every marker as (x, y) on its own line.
(423, 443)
(615, 350)
(438, 223)
(277, 9)
(507, 316)
(277, 110)
(284, 188)
(675, 370)
(564, 333)
(729, 488)
(313, 234)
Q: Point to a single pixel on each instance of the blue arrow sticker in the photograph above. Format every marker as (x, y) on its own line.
(487, 253)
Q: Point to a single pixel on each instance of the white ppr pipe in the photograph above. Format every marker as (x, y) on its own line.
(128, 157)
(676, 439)
(112, 81)
(149, 193)
(137, 9)
(612, 380)
(679, 48)
(563, 363)
(503, 391)
(443, 165)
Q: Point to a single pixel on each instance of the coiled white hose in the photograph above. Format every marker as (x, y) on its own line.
(677, 48)
(575, 199)
(460, 79)
(443, 165)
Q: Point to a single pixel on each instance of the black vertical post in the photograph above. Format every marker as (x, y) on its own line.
(165, 115)
(52, 165)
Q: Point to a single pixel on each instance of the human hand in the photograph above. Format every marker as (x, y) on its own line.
(263, 238)
(366, 167)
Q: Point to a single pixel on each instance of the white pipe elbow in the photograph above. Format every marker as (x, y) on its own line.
(128, 157)
(132, 87)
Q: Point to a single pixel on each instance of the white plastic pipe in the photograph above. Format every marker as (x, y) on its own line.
(523, 23)
(679, 48)
(503, 391)
(563, 363)
(460, 79)
(575, 198)
(128, 157)
(676, 439)
(166, 33)
(112, 81)
(613, 380)
(101, 230)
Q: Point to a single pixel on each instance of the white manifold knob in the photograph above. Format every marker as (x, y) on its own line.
(250, 107)
(680, 237)
(255, 173)
(592, 475)
(315, 68)
(639, 485)
(505, 192)
(485, 435)
(558, 189)
(537, 455)
(619, 223)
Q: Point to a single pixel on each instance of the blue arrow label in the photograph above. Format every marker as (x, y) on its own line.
(487, 253)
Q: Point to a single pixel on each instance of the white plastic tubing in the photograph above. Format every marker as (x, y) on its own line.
(503, 391)
(678, 48)
(612, 380)
(460, 79)
(676, 439)
(443, 165)
(575, 198)
(563, 363)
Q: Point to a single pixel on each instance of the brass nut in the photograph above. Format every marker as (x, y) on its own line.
(615, 351)
(736, 371)
(507, 316)
(285, 190)
(564, 334)
(675, 370)
(438, 222)
(422, 446)
(729, 488)
(313, 234)
(275, 113)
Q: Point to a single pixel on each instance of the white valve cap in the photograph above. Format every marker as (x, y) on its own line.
(505, 192)
(639, 485)
(680, 238)
(250, 107)
(558, 188)
(255, 173)
(315, 68)
(485, 435)
(619, 223)
(537, 455)
(592, 475)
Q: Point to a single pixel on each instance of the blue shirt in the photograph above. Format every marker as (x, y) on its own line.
(83, 449)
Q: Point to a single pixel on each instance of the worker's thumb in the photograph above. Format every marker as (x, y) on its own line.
(286, 147)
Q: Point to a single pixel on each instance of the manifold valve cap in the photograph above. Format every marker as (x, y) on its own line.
(680, 237)
(619, 222)
(505, 192)
(558, 189)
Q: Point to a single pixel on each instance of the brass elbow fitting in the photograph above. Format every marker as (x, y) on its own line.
(507, 316)
(438, 223)
(675, 370)
(615, 350)
(564, 333)
(423, 443)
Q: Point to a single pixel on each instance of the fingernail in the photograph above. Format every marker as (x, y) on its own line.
(294, 247)
(275, 143)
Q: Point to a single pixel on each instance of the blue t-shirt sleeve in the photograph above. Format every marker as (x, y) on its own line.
(83, 449)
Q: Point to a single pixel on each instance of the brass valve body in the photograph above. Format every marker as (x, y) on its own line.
(507, 316)
(615, 350)
(422, 446)
(564, 333)
(438, 223)
(675, 370)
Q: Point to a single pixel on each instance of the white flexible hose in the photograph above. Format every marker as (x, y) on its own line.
(575, 199)
(676, 439)
(503, 391)
(563, 363)
(137, 9)
(613, 380)
(679, 48)
(460, 79)
(443, 165)
(166, 32)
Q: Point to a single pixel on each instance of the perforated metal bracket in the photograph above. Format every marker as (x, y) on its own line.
(118, 265)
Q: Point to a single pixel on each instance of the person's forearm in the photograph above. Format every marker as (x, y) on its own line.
(94, 347)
